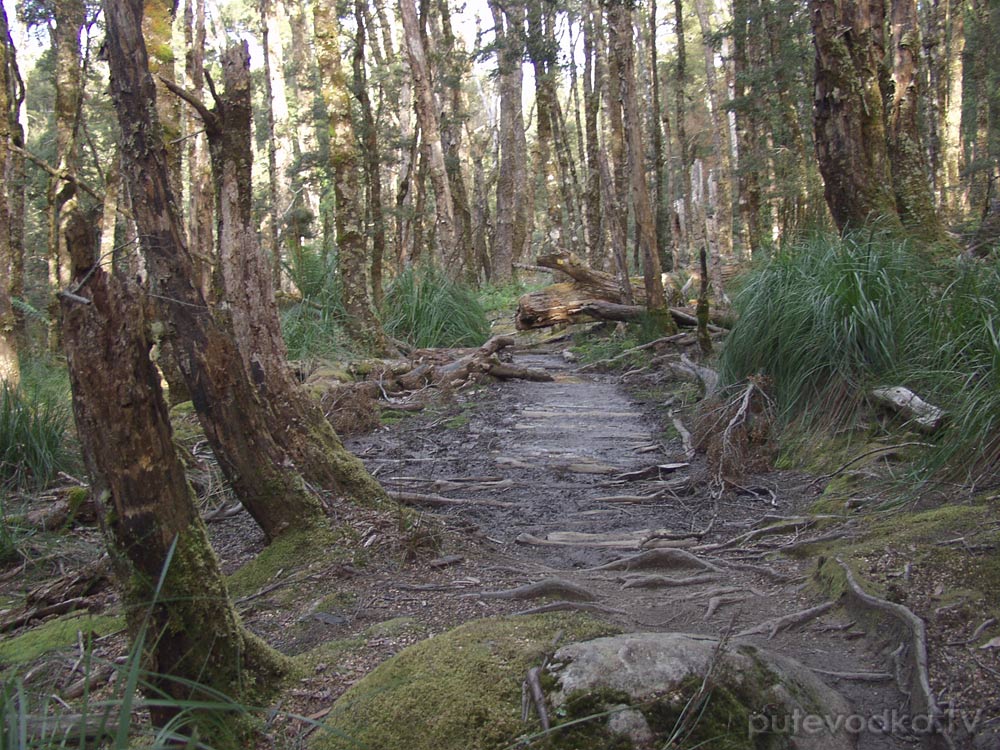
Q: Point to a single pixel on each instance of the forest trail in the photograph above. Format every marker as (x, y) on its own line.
(546, 467)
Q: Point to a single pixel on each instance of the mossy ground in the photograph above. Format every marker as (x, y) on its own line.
(457, 691)
(53, 635)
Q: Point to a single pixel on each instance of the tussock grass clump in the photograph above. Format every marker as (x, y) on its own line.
(313, 327)
(33, 440)
(830, 318)
(427, 309)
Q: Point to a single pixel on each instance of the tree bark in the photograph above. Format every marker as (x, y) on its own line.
(176, 601)
(747, 129)
(621, 39)
(430, 130)
(591, 107)
(849, 115)
(228, 407)
(346, 172)
(683, 148)
(201, 209)
(512, 172)
(10, 240)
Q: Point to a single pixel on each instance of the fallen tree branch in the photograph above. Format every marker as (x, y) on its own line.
(925, 416)
(660, 582)
(872, 452)
(564, 606)
(438, 501)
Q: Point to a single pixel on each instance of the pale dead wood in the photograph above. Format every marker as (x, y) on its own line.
(551, 587)
(685, 435)
(776, 625)
(651, 472)
(533, 687)
(924, 416)
(38, 613)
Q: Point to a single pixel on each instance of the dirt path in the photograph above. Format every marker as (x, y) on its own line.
(542, 459)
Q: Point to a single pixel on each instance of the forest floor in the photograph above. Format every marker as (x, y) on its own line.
(548, 481)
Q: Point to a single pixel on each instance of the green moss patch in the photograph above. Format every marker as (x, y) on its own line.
(54, 634)
(293, 551)
(457, 691)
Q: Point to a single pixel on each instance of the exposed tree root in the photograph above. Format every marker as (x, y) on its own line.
(776, 625)
(717, 602)
(658, 582)
(918, 687)
(563, 606)
(795, 525)
(552, 587)
(660, 559)
(857, 676)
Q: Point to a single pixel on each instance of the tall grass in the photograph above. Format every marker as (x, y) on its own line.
(33, 439)
(313, 327)
(830, 318)
(427, 309)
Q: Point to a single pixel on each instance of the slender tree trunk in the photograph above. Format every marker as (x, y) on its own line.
(10, 242)
(591, 108)
(455, 69)
(175, 595)
(69, 17)
(235, 423)
(664, 227)
(273, 73)
(748, 183)
(910, 179)
(623, 46)
(683, 148)
(201, 209)
(430, 130)
(346, 171)
(372, 153)
(512, 174)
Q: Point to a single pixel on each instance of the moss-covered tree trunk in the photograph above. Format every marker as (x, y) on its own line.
(10, 242)
(295, 420)
(192, 634)
(623, 48)
(347, 175)
(229, 409)
(849, 113)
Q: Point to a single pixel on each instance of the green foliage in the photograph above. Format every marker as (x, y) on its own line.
(33, 443)
(313, 327)
(427, 309)
(831, 318)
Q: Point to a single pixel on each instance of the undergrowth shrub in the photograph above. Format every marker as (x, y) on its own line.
(33, 441)
(427, 309)
(828, 319)
(313, 326)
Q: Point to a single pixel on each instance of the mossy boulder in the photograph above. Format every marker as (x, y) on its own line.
(462, 691)
(751, 700)
(457, 691)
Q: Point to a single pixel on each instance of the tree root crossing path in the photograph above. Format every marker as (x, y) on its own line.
(570, 496)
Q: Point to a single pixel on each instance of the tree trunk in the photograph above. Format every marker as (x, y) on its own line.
(176, 601)
(848, 113)
(621, 40)
(683, 148)
(512, 173)
(201, 208)
(10, 241)
(275, 108)
(591, 107)
(664, 227)
(346, 172)
(914, 200)
(747, 129)
(69, 16)
(372, 153)
(430, 130)
(228, 407)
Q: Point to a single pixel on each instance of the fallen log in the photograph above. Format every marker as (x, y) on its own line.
(925, 417)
